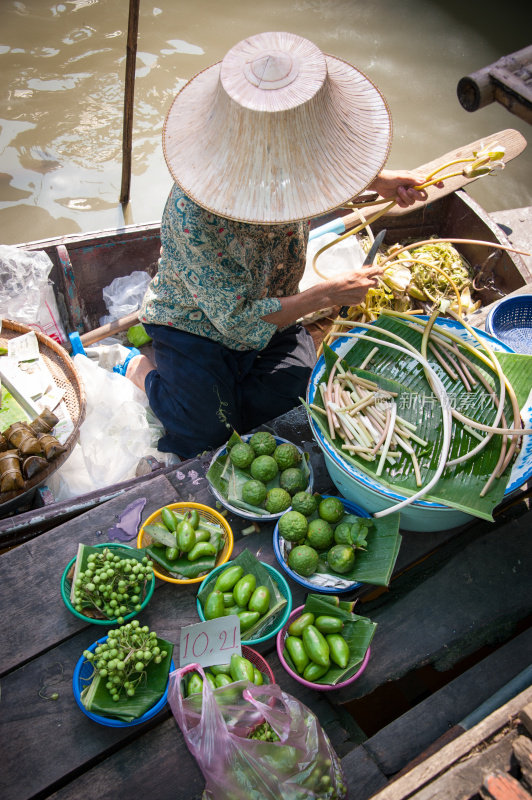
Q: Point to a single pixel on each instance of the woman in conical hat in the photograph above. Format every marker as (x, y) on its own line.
(258, 144)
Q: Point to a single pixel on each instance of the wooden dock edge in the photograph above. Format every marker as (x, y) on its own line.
(441, 762)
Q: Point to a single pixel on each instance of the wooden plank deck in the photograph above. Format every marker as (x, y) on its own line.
(458, 592)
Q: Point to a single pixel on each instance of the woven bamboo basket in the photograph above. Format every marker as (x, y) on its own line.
(66, 378)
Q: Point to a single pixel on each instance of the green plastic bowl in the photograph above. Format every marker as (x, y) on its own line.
(278, 622)
(66, 585)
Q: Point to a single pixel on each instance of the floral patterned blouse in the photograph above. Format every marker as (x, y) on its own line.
(218, 277)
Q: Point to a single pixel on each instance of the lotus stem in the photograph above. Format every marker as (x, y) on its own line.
(390, 424)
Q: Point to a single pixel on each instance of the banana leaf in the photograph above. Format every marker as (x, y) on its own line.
(160, 534)
(460, 486)
(330, 605)
(157, 534)
(10, 410)
(374, 563)
(96, 698)
(182, 568)
(357, 631)
(228, 480)
(251, 564)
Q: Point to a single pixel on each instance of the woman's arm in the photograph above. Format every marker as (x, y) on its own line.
(350, 288)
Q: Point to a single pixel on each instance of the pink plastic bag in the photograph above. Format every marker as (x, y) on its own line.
(301, 766)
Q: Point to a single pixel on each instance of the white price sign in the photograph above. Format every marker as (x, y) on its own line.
(23, 348)
(211, 642)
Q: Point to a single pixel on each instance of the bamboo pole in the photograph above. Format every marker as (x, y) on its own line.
(129, 92)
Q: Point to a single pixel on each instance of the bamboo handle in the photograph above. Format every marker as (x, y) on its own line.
(110, 329)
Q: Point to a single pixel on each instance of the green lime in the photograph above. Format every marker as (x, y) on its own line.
(264, 468)
(320, 534)
(331, 509)
(293, 526)
(293, 480)
(241, 455)
(342, 533)
(263, 443)
(254, 492)
(277, 500)
(341, 558)
(305, 503)
(303, 560)
(287, 455)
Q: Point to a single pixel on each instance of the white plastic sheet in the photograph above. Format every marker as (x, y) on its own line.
(119, 429)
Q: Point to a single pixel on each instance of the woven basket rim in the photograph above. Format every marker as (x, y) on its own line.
(56, 355)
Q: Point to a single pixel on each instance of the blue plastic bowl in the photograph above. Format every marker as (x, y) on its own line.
(83, 676)
(281, 618)
(351, 508)
(510, 321)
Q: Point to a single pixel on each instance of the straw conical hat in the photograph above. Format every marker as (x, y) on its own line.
(276, 132)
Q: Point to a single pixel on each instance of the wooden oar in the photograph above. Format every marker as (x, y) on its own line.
(513, 142)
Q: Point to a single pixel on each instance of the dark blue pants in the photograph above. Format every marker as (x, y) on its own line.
(202, 390)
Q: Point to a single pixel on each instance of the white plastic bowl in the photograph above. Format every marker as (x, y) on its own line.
(241, 512)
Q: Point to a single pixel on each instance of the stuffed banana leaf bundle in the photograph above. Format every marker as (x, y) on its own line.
(11, 478)
(20, 435)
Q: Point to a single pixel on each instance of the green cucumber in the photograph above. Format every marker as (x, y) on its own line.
(316, 646)
(228, 577)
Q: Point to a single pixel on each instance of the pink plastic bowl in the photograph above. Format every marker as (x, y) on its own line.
(320, 687)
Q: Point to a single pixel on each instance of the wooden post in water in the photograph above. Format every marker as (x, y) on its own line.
(508, 81)
(129, 93)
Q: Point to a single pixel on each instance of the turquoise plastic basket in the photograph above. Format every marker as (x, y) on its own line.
(280, 618)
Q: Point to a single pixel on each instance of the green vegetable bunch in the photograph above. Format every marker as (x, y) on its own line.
(264, 732)
(112, 584)
(315, 643)
(123, 659)
(238, 669)
(237, 593)
(319, 527)
(185, 544)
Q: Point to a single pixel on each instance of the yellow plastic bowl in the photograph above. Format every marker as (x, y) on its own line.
(206, 513)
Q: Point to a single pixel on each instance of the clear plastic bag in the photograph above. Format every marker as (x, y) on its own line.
(124, 295)
(345, 256)
(26, 294)
(302, 765)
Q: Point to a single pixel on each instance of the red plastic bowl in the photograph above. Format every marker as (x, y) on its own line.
(258, 661)
(320, 687)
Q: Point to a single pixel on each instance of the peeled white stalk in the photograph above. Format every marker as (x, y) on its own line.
(441, 394)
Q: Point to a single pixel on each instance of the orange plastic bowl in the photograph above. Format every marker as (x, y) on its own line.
(206, 513)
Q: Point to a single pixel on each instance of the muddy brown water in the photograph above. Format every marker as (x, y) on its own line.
(61, 94)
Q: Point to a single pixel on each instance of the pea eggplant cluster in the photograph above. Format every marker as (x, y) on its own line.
(314, 644)
(237, 593)
(238, 669)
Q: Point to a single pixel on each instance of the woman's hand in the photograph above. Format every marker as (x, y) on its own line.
(350, 288)
(346, 289)
(400, 185)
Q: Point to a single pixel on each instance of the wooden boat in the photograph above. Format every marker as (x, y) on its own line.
(83, 265)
